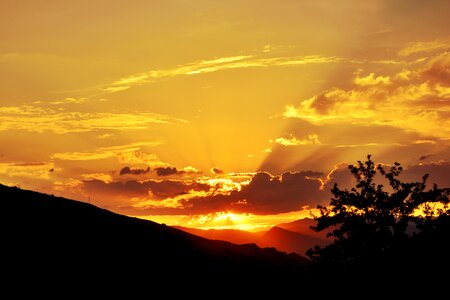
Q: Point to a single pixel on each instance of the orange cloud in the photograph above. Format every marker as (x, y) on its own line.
(371, 79)
(167, 204)
(215, 65)
(40, 119)
(416, 99)
(97, 176)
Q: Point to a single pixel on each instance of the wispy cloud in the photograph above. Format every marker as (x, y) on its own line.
(106, 152)
(312, 139)
(69, 100)
(424, 142)
(115, 89)
(215, 65)
(40, 119)
(360, 145)
(135, 157)
(421, 47)
(29, 170)
(97, 176)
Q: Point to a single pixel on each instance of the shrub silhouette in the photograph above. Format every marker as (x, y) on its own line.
(372, 224)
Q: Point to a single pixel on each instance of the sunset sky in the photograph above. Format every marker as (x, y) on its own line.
(220, 114)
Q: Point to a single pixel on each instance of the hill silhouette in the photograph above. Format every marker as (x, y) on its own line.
(66, 237)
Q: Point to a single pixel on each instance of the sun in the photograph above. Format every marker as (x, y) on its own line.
(224, 220)
(229, 217)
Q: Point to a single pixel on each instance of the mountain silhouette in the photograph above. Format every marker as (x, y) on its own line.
(303, 226)
(66, 237)
(288, 241)
(298, 240)
(230, 235)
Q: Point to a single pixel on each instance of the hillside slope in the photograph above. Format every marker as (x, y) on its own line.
(61, 236)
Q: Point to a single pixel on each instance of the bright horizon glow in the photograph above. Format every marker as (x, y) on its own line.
(229, 220)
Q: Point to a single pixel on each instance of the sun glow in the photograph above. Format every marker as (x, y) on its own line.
(222, 185)
(225, 220)
(231, 220)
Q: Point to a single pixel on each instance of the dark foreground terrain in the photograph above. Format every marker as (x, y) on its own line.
(56, 244)
(51, 237)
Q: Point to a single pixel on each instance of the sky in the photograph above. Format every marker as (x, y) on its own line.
(220, 114)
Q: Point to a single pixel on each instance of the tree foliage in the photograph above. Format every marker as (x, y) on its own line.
(371, 221)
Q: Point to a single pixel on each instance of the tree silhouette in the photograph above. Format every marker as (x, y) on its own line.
(370, 222)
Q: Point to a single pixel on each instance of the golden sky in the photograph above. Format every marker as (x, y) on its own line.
(219, 113)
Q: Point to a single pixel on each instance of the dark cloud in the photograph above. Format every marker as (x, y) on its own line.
(423, 157)
(156, 190)
(311, 174)
(265, 194)
(133, 171)
(439, 173)
(167, 171)
(340, 175)
(216, 171)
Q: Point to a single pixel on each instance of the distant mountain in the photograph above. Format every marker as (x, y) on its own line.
(303, 226)
(289, 237)
(289, 241)
(229, 235)
(64, 237)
